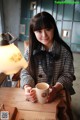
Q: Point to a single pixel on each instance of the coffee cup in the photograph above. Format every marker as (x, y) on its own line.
(42, 91)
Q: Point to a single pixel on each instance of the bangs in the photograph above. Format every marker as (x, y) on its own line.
(41, 23)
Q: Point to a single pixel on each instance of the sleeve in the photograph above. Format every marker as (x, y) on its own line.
(26, 54)
(67, 77)
(25, 77)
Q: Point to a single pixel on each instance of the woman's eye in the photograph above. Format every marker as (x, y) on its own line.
(39, 31)
(48, 29)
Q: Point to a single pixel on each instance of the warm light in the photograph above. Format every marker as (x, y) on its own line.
(11, 59)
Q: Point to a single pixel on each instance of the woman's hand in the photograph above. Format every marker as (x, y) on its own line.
(55, 91)
(30, 94)
(52, 95)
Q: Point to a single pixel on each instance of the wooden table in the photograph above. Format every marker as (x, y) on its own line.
(14, 97)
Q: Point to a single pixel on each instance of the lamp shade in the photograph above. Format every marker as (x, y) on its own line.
(11, 59)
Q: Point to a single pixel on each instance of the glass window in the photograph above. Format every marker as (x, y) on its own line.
(59, 26)
(66, 32)
(68, 12)
(22, 29)
(59, 12)
(67, 25)
(76, 33)
(54, 11)
(77, 12)
(47, 6)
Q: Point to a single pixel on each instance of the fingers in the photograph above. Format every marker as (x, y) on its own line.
(30, 95)
(27, 90)
(33, 94)
(31, 99)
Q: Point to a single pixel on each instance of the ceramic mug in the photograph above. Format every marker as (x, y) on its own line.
(42, 92)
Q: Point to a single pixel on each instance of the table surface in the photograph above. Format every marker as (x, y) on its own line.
(14, 97)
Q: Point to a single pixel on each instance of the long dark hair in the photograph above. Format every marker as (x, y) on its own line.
(38, 22)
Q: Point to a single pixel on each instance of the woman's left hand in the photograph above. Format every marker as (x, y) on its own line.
(52, 95)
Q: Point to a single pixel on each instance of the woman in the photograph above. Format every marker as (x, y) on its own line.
(50, 59)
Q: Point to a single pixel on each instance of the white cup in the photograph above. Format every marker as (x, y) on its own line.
(42, 92)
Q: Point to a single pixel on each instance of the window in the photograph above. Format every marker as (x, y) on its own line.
(22, 29)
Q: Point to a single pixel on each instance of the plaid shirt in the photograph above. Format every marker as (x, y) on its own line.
(50, 70)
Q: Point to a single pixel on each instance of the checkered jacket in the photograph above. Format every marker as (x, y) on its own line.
(51, 70)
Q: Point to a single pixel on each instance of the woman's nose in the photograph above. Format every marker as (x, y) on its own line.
(44, 33)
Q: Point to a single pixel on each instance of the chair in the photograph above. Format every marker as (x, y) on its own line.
(3, 77)
(16, 78)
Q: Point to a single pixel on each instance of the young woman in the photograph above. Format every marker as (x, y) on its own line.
(50, 59)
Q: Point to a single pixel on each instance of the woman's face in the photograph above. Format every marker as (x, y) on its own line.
(45, 36)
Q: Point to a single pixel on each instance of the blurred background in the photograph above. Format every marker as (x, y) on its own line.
(15, 16)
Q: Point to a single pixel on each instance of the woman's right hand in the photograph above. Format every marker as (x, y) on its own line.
(30, 94)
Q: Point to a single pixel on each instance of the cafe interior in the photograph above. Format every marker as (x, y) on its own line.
(15, 16)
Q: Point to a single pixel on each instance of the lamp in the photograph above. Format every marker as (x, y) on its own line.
(11, 59)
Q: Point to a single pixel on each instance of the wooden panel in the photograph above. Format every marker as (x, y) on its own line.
(32, 115)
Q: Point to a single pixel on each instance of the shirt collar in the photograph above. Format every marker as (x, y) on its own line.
(55, 49)
(50, 49)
